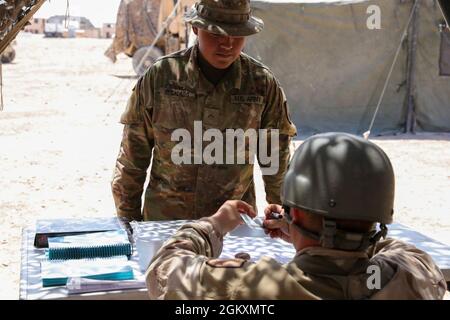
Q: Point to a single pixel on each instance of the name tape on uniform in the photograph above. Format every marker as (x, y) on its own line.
(247, 99)
(179, 93)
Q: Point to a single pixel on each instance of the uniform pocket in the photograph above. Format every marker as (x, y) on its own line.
(248, 116)
(173, 112)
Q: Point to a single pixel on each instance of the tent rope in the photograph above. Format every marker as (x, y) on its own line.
(404, 35)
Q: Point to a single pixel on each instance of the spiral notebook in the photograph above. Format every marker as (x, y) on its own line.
(56, 272)
(90, 245)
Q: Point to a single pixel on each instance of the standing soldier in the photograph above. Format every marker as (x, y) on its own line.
(216, 84)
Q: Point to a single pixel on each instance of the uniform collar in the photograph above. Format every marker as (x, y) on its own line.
(321, 251)
(324, 261)
(232, 78)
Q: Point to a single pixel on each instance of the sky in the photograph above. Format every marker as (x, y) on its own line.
(102, 11)
(97, 11)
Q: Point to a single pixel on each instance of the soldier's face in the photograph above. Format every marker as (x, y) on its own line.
(219, 50)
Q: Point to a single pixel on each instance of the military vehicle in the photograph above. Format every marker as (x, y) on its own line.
(148, 29)
(56, 26)
(65, 26)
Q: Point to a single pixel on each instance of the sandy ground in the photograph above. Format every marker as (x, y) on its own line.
(59, 137)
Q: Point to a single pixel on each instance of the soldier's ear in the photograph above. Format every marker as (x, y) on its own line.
(195, 29)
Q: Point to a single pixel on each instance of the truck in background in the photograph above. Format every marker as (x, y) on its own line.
(57, 26)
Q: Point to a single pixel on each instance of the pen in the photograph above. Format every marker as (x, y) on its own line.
(275, 216)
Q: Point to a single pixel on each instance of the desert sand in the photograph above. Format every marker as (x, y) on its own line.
(60, 135)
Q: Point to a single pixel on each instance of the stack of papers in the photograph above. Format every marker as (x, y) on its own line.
(56, 272)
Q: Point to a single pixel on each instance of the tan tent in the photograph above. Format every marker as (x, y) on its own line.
(333, 67)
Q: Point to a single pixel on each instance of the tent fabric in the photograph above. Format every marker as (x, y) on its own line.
(432, 90)
(333, 68)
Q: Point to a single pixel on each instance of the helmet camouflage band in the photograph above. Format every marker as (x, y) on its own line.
(227, 17)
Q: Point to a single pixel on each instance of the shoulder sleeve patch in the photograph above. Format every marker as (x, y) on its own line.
(141, 99)
(225, 263)
(132, 113)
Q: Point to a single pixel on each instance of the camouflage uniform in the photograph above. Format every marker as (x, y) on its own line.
(186, 268)
(173, 94)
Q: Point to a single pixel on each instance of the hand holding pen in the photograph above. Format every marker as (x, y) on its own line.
(274, 225)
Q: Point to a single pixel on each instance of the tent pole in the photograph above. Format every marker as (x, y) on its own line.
(402, 40)
(410, 125)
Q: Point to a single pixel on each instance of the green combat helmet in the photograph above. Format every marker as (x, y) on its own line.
(227, 17)
(341, 176)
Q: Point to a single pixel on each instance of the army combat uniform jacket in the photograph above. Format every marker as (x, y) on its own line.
(186, 267)
(174, 94)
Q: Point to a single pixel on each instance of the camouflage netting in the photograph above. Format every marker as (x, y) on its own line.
(11, 11)
(136, 26)
(14, 14)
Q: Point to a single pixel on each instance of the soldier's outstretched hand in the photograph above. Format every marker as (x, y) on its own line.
(274, 227)
(228, 217)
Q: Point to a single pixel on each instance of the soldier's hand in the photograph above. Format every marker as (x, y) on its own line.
(228, 217)
(276, 228)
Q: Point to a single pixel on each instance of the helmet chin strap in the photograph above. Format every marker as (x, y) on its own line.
(334, 238)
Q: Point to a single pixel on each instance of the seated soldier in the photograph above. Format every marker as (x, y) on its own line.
(337, 188)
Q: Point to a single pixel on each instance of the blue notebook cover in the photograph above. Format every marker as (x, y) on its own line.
(90, 245)
(56, 272)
